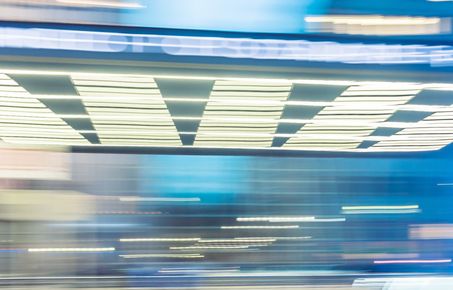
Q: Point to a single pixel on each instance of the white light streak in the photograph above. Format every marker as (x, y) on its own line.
(278, 219)
(397, 209)
(175, 256)
(380, 207)
(75, 250)
(134, 240)
(257, 240)
(260, 227)
(196, 271)
(219, 247)
(412, 261)
(275, 238)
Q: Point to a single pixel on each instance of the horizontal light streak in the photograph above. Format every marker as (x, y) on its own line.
(277, 219)
(158, 199)
(204, 268)
(39, 250)
(372, 86)
(257, 240)
(325, 220)
(260, 227)
(133, 100)
(14, 89)
(244, 96)
(196, 271)
(132, 118)
(37, 132)
(118, 82)
(412, 261)
(419, 142)
(404, 209)
(220, 119)
(175, 256)
(378, 94)
(220, 247)
(380, 207)
(135, 240)
(372, 256)
(267, 219)
(309, 273)
(399, 149)
(274, 238)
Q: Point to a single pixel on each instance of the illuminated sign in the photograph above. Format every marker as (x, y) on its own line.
(275, 49)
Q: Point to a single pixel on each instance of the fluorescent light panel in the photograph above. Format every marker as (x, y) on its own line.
(150, 103)
(253, 92)
(247, 110)
(357, 128)
(15, 129)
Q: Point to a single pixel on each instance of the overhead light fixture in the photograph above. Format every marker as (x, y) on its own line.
(136, 114)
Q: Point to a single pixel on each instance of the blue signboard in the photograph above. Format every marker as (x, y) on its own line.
(271, 16)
